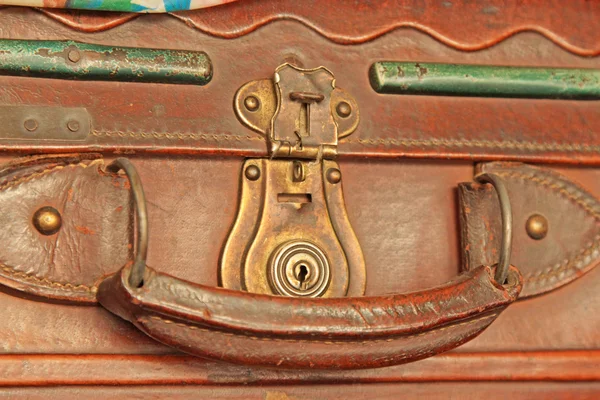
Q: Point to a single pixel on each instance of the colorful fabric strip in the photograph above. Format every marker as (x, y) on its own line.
(137, 6)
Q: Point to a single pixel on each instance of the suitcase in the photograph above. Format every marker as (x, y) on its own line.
(289, 200)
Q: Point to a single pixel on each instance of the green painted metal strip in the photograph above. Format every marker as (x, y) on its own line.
(84, 61)
(484, 81)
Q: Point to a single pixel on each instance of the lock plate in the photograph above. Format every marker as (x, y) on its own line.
(292, 235)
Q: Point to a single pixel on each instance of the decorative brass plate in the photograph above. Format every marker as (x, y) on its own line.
(292, 235)
(276, 211)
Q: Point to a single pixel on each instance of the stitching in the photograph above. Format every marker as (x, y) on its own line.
(479, 143)
(330, 342)
(35, 175)
(584, 258)
(433, 142)
(176, 136)
(47, 282)
(592, 248)
(557, 187)
(44, 281)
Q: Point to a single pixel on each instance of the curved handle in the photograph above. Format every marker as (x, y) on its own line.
(337, 333)
(359, 332)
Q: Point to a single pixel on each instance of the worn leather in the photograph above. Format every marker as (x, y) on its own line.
(95, 237)
(403, 210)
(461, 24)
(572, 245)
(338, 333)
(186, 119)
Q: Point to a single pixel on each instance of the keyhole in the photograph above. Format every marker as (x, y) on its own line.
(302, 275)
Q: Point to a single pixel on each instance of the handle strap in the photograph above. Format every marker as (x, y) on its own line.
(359, 332)
(334, 333)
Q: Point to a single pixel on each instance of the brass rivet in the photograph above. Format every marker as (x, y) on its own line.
(537, 226)
(74, 56)
(47, 220)
(252, 172)
(334, 175)
(343, 109)
(31, 125)
(73, 125)
(251, 103)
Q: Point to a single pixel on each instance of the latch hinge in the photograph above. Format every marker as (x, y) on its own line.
(292, 236)
(301, 112)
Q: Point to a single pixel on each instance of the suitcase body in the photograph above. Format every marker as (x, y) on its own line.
(408, 164)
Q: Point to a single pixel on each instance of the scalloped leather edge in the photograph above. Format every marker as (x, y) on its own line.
(94, 21)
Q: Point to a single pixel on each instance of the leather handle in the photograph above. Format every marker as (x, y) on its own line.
(359, 332)
(338, 333)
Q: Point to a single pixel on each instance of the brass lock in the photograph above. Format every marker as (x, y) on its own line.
(292, 236)
(299, 268)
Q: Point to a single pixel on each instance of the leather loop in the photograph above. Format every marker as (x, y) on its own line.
(570, 245)
(136, 279)
(507, 224)
(359, 332)
(93, 240)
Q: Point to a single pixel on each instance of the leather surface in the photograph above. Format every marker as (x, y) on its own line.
(406, 219)
(97, 216)
(571, 247)
(93, 240)
(159, 119)
(387, 391)
(403, 211)
(465, 25)
(340, 333)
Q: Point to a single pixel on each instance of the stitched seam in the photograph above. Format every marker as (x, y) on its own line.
(35, 175)
(433, 142)
(568, 264)
(329, 342)
(479, 143)
(554, 186)
(576, 263)
(44, 281)
(176, 136)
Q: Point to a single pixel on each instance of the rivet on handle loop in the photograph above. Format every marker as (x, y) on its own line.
(507, 224)
(136, 276)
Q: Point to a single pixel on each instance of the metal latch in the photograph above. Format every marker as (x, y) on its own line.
(292, 235)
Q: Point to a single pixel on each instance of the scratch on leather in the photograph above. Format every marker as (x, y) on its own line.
(360, 314)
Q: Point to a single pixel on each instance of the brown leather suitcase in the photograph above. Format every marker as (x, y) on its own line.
(333, 199)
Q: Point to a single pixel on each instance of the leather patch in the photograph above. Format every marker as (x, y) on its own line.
(94, 238)
(571, 245)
